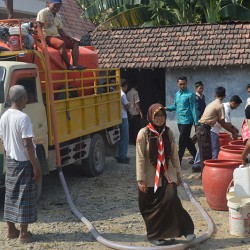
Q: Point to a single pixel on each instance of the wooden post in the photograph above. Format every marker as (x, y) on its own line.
(9, 6)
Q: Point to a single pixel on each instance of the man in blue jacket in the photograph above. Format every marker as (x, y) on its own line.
(187, 115)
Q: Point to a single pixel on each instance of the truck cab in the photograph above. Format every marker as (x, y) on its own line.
(26, 74)
(75, 114)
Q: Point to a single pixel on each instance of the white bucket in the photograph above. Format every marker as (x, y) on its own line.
(241, 177)
(230, 195)
(239, 216)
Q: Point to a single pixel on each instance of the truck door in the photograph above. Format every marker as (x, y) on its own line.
(35, 107)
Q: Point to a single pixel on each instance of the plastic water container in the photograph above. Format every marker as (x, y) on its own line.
(241, 177)
(16, 31)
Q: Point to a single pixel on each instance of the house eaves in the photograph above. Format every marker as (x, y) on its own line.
(181, 46)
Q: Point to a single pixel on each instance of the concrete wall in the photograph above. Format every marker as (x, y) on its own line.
(234, 79)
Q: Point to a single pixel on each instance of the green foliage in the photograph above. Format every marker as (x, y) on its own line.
(104, 12)
(126, 16)
(234, 12)
(184, 11)
(134, 13)
(210, 10)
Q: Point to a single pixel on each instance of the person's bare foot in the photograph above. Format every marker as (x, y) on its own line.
(13, 234)
(26, 238)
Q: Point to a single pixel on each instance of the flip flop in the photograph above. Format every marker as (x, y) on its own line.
(14, 236)
(78, 67)
(28, 239)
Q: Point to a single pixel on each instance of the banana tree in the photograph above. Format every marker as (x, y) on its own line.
(106, 11)
(135, 13)
(183, 11)
(210, 10)
(127, 13)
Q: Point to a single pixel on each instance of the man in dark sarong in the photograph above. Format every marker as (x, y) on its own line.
(22, 169)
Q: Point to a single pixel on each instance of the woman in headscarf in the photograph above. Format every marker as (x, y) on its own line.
(158, 173)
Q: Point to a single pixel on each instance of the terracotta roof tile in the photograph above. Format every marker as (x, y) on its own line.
(174, 46)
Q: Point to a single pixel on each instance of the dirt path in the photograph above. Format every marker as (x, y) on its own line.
(109, 201)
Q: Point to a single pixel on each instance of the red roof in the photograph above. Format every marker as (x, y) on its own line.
(179, 46)
(73, 24)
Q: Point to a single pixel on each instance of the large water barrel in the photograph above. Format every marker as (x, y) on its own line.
(224, 138)
(216, 177)
(236, 143)
(87, 57)
(230, 152)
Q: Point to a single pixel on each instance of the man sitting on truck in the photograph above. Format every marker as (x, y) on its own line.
(51, 23)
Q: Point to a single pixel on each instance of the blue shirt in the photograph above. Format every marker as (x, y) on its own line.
(185, 107)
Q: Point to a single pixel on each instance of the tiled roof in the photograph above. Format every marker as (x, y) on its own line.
(174, 46)
(73, 24)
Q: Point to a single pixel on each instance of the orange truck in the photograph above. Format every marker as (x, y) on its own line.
(75, 114)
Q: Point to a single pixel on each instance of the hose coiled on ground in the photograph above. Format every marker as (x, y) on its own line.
(118, 246)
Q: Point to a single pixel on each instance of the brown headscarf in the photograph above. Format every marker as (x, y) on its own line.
(152, 138)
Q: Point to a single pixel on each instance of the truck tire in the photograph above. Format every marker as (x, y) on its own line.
(42, 162)
(94, 164)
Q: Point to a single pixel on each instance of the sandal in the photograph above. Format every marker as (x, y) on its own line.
(78, 67)
(27, 239)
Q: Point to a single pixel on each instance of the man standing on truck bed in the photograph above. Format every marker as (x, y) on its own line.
(22, 169)
(51, 23)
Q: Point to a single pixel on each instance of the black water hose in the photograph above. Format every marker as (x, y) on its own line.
(118, 246)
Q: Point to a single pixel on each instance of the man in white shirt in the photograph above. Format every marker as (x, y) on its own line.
(22, 168)
(124, 129)
(135, 113)
(233, 103)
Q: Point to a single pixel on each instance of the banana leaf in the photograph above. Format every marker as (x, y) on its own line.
(210, 9)
(125, 17)
(235, 12)
(99, 6)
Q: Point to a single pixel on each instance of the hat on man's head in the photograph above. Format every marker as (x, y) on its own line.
(55, 1)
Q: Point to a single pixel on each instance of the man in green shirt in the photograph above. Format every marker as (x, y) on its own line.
(187, 115)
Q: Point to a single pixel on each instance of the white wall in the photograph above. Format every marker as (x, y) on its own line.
(233, 79)
(25, 6)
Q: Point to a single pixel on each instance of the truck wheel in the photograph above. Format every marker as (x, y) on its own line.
(94, 164)
(42, 162)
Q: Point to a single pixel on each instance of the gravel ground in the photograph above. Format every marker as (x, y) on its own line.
(109, 201)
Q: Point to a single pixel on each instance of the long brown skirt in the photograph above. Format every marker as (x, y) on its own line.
(163, 213)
